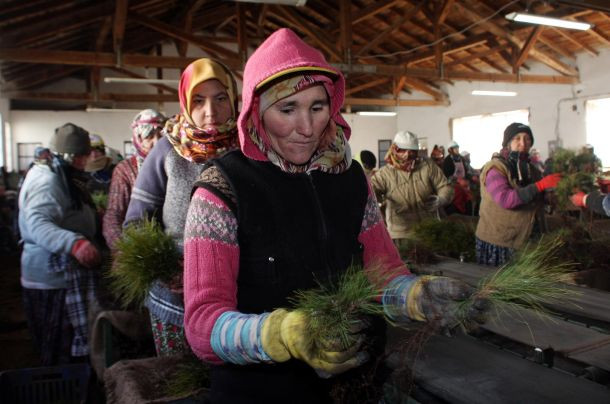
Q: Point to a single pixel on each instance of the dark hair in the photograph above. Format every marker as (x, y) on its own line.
(369, 161)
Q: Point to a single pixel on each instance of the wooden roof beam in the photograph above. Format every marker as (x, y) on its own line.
(345, 22)
(594, 31)
(173, 32)
(399, 86)
(527, 47)
(561, 51)
(373, 9)
(314, 33)
(475, 56)
(407, 15)
(120, 19)
(369, 84)
(129, 73)
(420, 85)
(576, 42)
(89, 97)
(503, 33)
(242, 34)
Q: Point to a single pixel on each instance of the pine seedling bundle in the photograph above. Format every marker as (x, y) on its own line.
(334, 310)
(532, 280)
(453, 239)
(578, 173)
(145, 253)
(100, 199)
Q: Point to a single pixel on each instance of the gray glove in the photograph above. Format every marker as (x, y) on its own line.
(432, 203)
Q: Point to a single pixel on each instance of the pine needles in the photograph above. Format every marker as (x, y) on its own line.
(100, 199)
(533, 280)
(453, 239)
(190, 376)
(144, 253)
(334, 310)
(578, 173)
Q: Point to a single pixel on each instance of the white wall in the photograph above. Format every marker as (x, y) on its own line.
(367, 130)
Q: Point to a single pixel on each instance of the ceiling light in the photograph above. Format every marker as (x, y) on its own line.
(298, 3)
(376, 113)
(139, 80)
(93, 109)
(495, 93)
(553, 22)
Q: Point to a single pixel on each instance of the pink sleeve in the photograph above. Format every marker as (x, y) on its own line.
(380, 252)
(211, 266)
(500, 190)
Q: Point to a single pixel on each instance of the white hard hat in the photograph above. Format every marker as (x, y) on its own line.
(406, 140)
(451, 144)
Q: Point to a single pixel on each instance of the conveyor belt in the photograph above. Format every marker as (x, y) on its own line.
(463, 369)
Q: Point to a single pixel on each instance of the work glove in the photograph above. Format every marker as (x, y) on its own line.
(432, 203)
(579, 199)
(285, 334)
(550, 181)
(435, 299)
(86, 253)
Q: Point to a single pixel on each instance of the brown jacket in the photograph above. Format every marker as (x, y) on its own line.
(406, 192)
(507, 227)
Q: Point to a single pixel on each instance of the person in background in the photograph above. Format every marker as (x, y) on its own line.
(57, 222)
(536, 160)
(437, 155)
(369, 163)
(146, 128)
(289, 208)
(595, 201)
(411, 188)
(204, 129)
(453, 165)
(99, 166)
(512, 198)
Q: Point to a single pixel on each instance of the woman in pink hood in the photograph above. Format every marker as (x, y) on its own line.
(289, 209)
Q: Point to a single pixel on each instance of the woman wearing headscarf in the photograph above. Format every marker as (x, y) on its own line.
(512, 198)
(205, 128)
(146, 128)
(412, 189)
(57, 221)
(289, 208)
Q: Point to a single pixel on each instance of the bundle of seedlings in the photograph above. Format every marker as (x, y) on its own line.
(578, 171)
(580, 247)
(414, 252)
(533, 279)
(448, 238)
(144, 254)
(334, 311)
(189, 377)
(100, 199)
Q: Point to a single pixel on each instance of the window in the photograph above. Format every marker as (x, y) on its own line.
(382, 149)
(597, 128)
(25, 155)
(482, 135)
(128, 149)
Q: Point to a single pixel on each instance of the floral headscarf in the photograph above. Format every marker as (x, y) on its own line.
(333, 154)
(144, 125)
(194, 143)
(400, 158)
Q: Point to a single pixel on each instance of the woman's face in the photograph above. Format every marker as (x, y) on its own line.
(522, 142)
(80, 161)
(295, 124)
(148, 143)
(210, 104)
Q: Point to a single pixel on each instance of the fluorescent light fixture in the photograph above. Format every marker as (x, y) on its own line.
(495, 93)
(92, 109)
(136, 80)
(298, 3)
(553, 22)
(376, 113)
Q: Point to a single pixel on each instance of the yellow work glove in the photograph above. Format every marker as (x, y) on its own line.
(285, 335)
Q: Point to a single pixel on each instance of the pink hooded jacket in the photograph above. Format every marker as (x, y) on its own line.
(283, 53)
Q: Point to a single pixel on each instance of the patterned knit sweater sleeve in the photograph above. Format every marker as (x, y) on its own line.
(211, 266)
(123, 179)
(379, 250)
(148, 192)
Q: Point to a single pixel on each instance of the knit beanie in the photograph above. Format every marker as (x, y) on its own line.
(513, 130)
(70, 139)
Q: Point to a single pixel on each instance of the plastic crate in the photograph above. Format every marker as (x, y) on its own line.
(54, 384)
